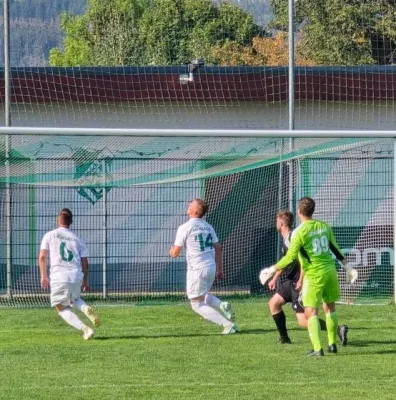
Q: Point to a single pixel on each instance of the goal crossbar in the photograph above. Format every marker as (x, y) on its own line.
(243, 133)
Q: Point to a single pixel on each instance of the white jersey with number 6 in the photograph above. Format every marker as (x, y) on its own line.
(198, 237)
(65, 252)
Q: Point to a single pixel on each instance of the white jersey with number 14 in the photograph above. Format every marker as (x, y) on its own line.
(198, 237)
(65, 252)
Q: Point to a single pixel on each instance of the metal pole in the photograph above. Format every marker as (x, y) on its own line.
(280, 202)
(7, 120)
(7, 72)
(291, 101)
(104, 233)
(394, 219)
(291, 66)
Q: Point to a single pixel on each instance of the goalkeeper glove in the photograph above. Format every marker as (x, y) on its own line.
(266, 274)
(351, 274)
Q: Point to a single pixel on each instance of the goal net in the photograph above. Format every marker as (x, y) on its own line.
(129, 195)
(195, 64)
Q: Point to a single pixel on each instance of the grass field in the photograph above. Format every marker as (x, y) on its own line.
(168, 352)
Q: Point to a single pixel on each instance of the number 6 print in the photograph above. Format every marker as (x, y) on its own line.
(65, 253)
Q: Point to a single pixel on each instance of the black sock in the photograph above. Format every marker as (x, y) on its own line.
(322, 323)
(280, 321)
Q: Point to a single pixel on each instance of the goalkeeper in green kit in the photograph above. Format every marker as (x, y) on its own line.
(313, 242)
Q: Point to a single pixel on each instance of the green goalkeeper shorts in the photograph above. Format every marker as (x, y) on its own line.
(324, 287)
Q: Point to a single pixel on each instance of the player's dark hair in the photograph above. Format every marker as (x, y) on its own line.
(306, 206)
(65, 217)
(202, 207)
(286, 217)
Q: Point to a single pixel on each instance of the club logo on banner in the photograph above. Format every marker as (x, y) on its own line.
(93, 172)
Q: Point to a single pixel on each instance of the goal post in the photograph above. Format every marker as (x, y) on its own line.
(128, 190)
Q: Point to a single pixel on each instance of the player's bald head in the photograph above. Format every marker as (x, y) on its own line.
(306, 206)
(65, 217)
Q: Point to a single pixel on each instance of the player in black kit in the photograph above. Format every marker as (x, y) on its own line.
(286, 292)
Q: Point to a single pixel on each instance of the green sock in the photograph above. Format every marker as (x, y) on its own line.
(314, 332)
(332, 324)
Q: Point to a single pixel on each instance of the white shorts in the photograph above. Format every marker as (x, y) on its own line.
(65, 293)
(199, 281)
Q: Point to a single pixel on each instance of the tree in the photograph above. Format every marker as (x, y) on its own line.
(263, 51)
(151, 32)
(107, 34)
(342, 32)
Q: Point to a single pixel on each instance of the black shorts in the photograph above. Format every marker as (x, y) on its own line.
(288, 292)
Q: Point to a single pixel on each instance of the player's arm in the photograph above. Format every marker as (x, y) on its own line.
(300, 280)
(85, 270)
(84, 265)
(335, 248)
(180, 241)
(44, 248)
(175, 251)
(351, 273)
(219, 260)
(285, 261)
(43, 268)
(278, 273)
(272, 282)
(292, 253)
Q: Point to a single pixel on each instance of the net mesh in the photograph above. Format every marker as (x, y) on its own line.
(218, 98)
(129, 64)
(120, 161)
(129, 228)
(136, 70)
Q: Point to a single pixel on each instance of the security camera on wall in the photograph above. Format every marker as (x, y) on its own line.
(193, 66)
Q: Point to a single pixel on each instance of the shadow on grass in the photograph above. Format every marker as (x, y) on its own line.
(373, 352)
(184, 335)
(370, 342)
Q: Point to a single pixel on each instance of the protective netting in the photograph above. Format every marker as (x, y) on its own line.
(129, 228)
(354, 193)
(89, 161)
(195, 64)
(240, 97)
(128, 63)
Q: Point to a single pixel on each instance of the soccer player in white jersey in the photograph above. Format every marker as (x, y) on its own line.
(68, 273)
(204, 263)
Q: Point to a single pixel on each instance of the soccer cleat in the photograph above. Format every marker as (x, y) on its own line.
(284, 340)
(332, 349)
(229, 329)
(87, 333)
(226, 309)
(342, 332)
(89, 312)
(314, 353)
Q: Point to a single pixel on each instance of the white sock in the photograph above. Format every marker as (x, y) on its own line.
(209, 313)
(79, 304)
(71, 319)
(212, 300)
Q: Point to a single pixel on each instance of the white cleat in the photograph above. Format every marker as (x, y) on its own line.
(89, 312)
(226, 309)
(87, 333)
(229, 329)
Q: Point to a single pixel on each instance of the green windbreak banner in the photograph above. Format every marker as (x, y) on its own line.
(97, 162)
(129, 228)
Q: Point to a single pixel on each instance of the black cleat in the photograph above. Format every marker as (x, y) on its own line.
(284, 340)
(342, 332)
(332, 349)
(314, 353)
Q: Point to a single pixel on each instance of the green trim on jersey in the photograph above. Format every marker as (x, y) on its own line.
(311, 242)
